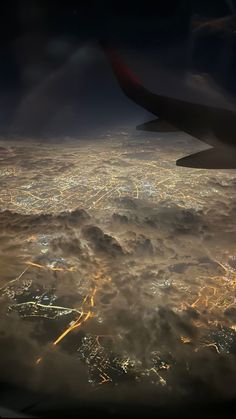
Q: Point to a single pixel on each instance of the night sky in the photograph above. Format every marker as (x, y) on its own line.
(50, 59)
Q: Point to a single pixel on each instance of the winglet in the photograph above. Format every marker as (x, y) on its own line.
(124, 75)
(128, 81)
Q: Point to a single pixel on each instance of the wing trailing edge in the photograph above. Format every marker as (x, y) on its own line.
(212, 158)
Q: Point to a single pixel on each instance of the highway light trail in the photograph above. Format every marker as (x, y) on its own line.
(15, 279)
(81, 320)
(52, 268)
(83, 317)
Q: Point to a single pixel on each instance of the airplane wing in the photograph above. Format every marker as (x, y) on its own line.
(214, 126)
(212, 158)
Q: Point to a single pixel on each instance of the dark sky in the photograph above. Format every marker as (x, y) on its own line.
(49, 66)
(96, 19)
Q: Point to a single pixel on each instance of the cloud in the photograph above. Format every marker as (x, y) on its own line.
(46, 222)
(102, 242)
(141, 255)
(66, 246)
